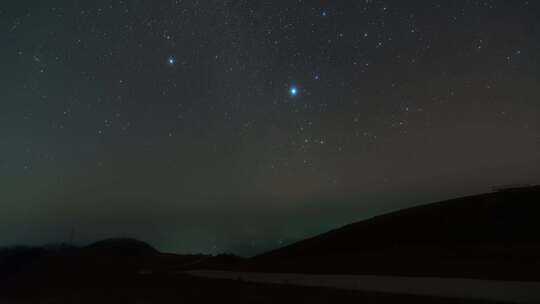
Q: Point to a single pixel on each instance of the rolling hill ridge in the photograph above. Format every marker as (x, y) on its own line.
(493, 235)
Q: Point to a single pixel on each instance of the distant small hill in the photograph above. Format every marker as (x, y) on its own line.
(489, 235)
(121, 247)
(115, 256)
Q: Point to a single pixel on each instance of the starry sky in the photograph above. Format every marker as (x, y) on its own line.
(238, 126)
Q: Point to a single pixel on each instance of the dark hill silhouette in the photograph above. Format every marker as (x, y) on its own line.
(121, 247)
(494, 235)
(111, 256)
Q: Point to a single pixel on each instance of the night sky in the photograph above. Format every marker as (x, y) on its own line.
(237, 126)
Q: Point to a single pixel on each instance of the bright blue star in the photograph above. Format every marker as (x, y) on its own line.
(293, 91)
(171, 61)
(323, 14)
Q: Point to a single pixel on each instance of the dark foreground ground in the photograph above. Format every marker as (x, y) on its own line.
(179, 288)
(491, 236)
(112, 273)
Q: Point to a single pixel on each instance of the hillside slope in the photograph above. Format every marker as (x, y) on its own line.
(493, 235)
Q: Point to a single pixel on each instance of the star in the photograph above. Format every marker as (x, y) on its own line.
(293, 91)
(171, 60)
